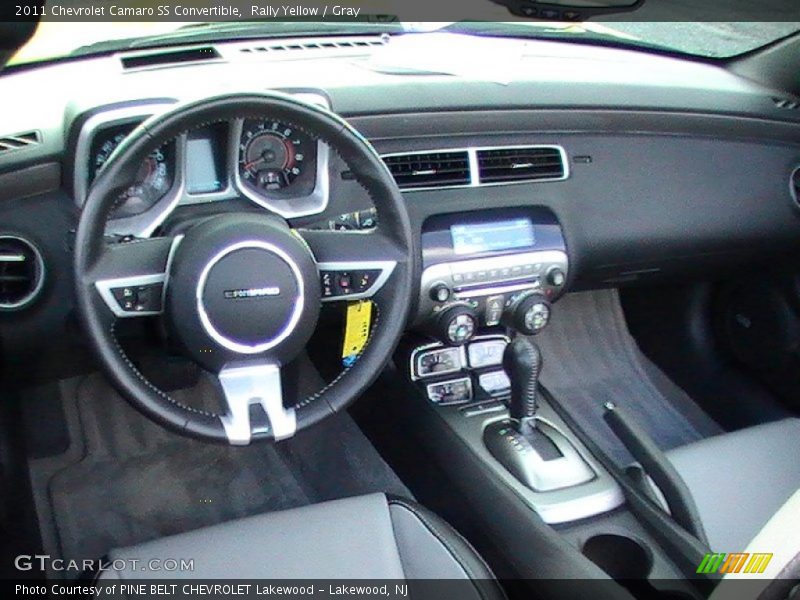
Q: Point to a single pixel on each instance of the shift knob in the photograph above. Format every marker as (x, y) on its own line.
(522, 361)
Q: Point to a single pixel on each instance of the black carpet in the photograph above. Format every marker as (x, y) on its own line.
(590, 358)
(124, 480)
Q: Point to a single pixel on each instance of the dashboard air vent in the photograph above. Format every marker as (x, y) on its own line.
(429, 169)
(21, 272)
(795, 185)
(9, 143)
(534, 163)
(786, 103)
(170, 57)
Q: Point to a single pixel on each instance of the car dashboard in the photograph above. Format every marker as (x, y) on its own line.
(622, 167)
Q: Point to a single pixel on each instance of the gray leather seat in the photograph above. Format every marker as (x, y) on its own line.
(739, 480)
(365, 537)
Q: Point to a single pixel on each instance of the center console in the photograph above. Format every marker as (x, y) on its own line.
(469, 394)
(490, 277)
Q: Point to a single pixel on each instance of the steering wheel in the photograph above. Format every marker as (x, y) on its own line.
(240, 292)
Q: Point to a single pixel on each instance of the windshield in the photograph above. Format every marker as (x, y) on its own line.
(56, 39)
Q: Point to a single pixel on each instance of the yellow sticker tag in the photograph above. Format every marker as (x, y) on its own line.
(356, 329)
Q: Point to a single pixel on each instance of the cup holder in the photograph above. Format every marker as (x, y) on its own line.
(621, 557)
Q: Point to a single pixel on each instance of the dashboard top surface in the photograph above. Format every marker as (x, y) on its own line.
(680, 159)
(549, 75)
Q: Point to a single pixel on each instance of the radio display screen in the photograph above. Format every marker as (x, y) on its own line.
(492, 237)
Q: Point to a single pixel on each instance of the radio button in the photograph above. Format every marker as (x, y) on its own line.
(494, 309)
(458, 277)
(556, 277)
(440, 292)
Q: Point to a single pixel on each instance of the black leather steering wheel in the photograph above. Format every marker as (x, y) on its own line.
(240, 292)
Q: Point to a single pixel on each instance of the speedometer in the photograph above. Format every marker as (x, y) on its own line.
(276, 158)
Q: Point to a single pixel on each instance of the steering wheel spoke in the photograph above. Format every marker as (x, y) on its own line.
(352, 265)
(255, 386)
(131, 277)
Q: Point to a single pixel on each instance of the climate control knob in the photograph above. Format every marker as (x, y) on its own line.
(528, 315)
(456, 324)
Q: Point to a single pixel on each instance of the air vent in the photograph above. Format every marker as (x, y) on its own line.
(786, 103)
(327, 44)
(9, 143)
(431, 169)
(21, 272)
(170, 57)
(795, 185)
(534, 163)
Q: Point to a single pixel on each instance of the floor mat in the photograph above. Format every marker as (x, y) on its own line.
(125, 480)
(590, 358)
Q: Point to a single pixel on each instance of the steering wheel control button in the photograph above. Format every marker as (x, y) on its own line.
(344, 284)
(142, 298)
(349, 284)
(326, 280)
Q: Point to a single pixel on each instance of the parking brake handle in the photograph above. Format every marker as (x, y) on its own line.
(657, 466)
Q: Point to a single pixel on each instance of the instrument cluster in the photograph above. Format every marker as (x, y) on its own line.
(270, 162)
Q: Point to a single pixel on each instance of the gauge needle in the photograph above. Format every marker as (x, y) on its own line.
(253, 163)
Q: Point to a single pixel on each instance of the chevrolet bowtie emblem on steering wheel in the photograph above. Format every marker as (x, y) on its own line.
(253, 292)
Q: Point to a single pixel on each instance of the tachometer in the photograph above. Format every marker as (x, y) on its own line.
(274, 156)
(152, 181)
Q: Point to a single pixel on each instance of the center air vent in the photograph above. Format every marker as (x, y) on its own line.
(21, 272)
(534, 163)
(429, 169)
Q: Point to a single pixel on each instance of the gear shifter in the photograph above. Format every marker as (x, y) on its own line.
(532, 450)
(522, 361)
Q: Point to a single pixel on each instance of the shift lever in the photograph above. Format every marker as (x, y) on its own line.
(522, 361)
(532, 450)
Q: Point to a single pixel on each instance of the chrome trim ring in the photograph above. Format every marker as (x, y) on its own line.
(234, 345)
